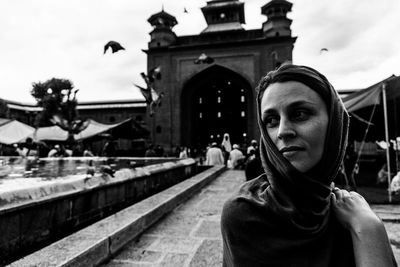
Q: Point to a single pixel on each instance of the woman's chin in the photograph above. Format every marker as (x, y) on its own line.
(300, 166)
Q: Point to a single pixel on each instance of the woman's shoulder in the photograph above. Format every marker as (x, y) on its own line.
(247, 196)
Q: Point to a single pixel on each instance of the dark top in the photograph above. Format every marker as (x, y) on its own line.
(254, 235)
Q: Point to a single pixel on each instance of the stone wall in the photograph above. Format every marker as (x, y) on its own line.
(33, 224)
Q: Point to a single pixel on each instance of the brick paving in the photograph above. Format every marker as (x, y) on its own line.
(390, 214)
(190, 235)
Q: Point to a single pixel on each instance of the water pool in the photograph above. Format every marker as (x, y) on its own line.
(32, 178)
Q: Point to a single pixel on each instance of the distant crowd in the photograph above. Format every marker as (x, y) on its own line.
(234, 156)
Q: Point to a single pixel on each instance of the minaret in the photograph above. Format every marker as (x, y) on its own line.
(277, 23)
(162, 34)
(223, 15)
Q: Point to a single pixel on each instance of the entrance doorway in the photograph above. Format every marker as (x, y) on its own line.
(216, 101)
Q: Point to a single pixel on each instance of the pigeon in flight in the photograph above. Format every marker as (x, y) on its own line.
(152, 98)
(323, 50)
(203, 58)
(115, 46)
(154, 73)
(107, 170)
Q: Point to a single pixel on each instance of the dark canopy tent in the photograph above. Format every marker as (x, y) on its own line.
(373, 94)
(374, 111)
(362, 103)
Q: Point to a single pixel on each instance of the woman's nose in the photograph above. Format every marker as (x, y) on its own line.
(285, 129)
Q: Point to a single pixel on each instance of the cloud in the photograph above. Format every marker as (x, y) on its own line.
(42, 39)
(360, 38)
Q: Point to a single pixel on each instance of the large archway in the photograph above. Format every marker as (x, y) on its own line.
(216, 101)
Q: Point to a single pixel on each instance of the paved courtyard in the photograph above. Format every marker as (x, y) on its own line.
(190, 235)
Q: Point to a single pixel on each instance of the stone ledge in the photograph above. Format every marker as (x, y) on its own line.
(99, 241)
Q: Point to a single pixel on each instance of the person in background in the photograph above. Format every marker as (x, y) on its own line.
(87, 152)
(291, 215)
(159, 150)
(77, 150)
(19, 149)
(214, 155)
(150, 152)
(253, 167)
(395, 184)
(382, 176)
(226, 147)
(253, 146)
(68, 151)
(58, 151)
(183, 154)
(176, 152)
(110, 148)
(236, 157)
(28, 148)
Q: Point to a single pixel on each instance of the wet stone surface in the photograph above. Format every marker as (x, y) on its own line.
(208, 254)
(209, 229)
(189, 236)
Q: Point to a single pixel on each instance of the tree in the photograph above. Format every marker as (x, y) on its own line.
(59, 102)
(50, 95)
(4, 110)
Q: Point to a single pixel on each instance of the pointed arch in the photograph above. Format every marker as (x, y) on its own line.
(215, 101)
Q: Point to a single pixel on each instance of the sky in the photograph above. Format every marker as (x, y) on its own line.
(42, 39)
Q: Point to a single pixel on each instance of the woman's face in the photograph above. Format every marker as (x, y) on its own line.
(296, 119)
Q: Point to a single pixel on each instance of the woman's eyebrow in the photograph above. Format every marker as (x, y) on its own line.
(302, 103)
(269, 111)
(291, 105)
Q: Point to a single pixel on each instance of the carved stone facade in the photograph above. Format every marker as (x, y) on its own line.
(208, 79)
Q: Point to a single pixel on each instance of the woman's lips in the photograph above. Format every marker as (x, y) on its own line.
(290, 150)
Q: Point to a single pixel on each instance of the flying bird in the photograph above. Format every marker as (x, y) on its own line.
(115, 46)
(185, 10)
(152, 97)
(203, 58)
(154, 73)
(323, 50)
(107, 170)
(91, 170)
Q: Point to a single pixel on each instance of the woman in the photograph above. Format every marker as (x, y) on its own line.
(290, 216)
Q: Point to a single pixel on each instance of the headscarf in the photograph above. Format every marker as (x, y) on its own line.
(289, 211)
(310, 191)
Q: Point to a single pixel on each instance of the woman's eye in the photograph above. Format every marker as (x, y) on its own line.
(271, 121)
(301, 115)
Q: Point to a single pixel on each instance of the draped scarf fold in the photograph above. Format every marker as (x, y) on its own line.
(290, 209)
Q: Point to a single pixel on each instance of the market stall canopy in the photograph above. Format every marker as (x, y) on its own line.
(50, 133)
(55, 133)
(95, 128)
(13, 131)
(372, 95)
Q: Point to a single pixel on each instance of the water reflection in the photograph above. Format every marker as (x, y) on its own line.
(53, 168)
